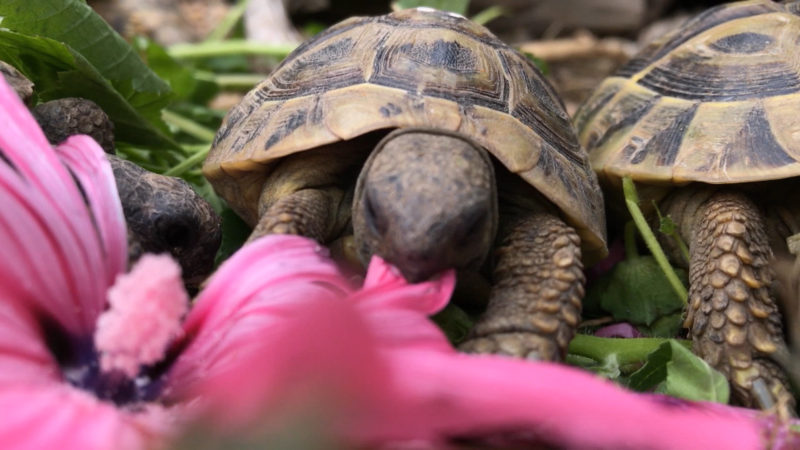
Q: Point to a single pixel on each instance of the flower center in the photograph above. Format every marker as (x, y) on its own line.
(121, 362)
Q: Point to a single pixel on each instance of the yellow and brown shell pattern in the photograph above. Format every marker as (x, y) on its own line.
(717, 101)
(412, 68)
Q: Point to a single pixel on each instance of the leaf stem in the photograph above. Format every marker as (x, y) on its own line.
(232, 80)
(188, 126)
(228, 22)
(489, 14)
(628, 351)
(188, 163)
(672, 232)
(227, 48)
(632, 201)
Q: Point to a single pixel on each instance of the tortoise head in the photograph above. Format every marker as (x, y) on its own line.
(426, 201)
(165, 215)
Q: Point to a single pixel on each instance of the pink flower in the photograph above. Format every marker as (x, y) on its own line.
(387, 376)
(91, 358)
(94, 358)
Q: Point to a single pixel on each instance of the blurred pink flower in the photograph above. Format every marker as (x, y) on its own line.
(91, 358)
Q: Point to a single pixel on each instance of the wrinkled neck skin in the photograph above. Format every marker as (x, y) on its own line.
(781, 215)
(426, 201)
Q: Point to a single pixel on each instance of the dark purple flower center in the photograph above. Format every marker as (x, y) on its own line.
(80, 366)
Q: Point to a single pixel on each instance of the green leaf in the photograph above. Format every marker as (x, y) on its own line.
(608, 368)
(674, 370)
(638, 292)
(627, 351)
(59, 71)
(234, 233)
(456, 6)
(75, 24)
(454, 321)
(665, 327)
(178, 76)
(654, 370)
(691, 378)
(538, 62)
(632, 202)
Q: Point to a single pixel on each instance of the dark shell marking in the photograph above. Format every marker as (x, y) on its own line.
(716, 102)
(410, 68)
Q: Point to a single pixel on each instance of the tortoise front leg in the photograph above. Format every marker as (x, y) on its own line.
(535, 301)
(307, 212)
(733, 320)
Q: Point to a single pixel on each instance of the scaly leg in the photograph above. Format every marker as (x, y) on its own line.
(535, 302)
(733, 320)
(307, 212)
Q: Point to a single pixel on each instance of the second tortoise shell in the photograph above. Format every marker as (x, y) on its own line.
(717, 101)
(412, 68)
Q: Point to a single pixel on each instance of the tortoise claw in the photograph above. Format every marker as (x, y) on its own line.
(517, 344)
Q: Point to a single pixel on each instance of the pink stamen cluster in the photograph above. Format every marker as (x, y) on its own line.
(144, 315)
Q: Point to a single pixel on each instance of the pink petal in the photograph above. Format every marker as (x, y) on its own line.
(54, 257)
(23, 353)
(50, 415)
(87, 163)
(398, 312)
(319, 359)
(252, 295)
(458, 394)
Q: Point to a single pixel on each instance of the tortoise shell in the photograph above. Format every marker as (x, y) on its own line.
(717, 101)
(412, 68)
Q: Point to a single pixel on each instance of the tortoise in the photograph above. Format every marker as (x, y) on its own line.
(706, 121)
(420, 137)
(163, 214)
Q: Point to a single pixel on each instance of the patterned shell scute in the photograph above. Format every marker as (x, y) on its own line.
(412, 68)
(716, 101)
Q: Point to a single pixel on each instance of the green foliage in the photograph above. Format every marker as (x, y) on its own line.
(669, 228)
(76, 54)
(454, 321)
(607, 367)
(180, 77)
(539, 63)
(632, 202)
(674, 370)
(456, 6)
(76, 25)
(636, 291)
(489, 14)
(665, 326)
(234, 235)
